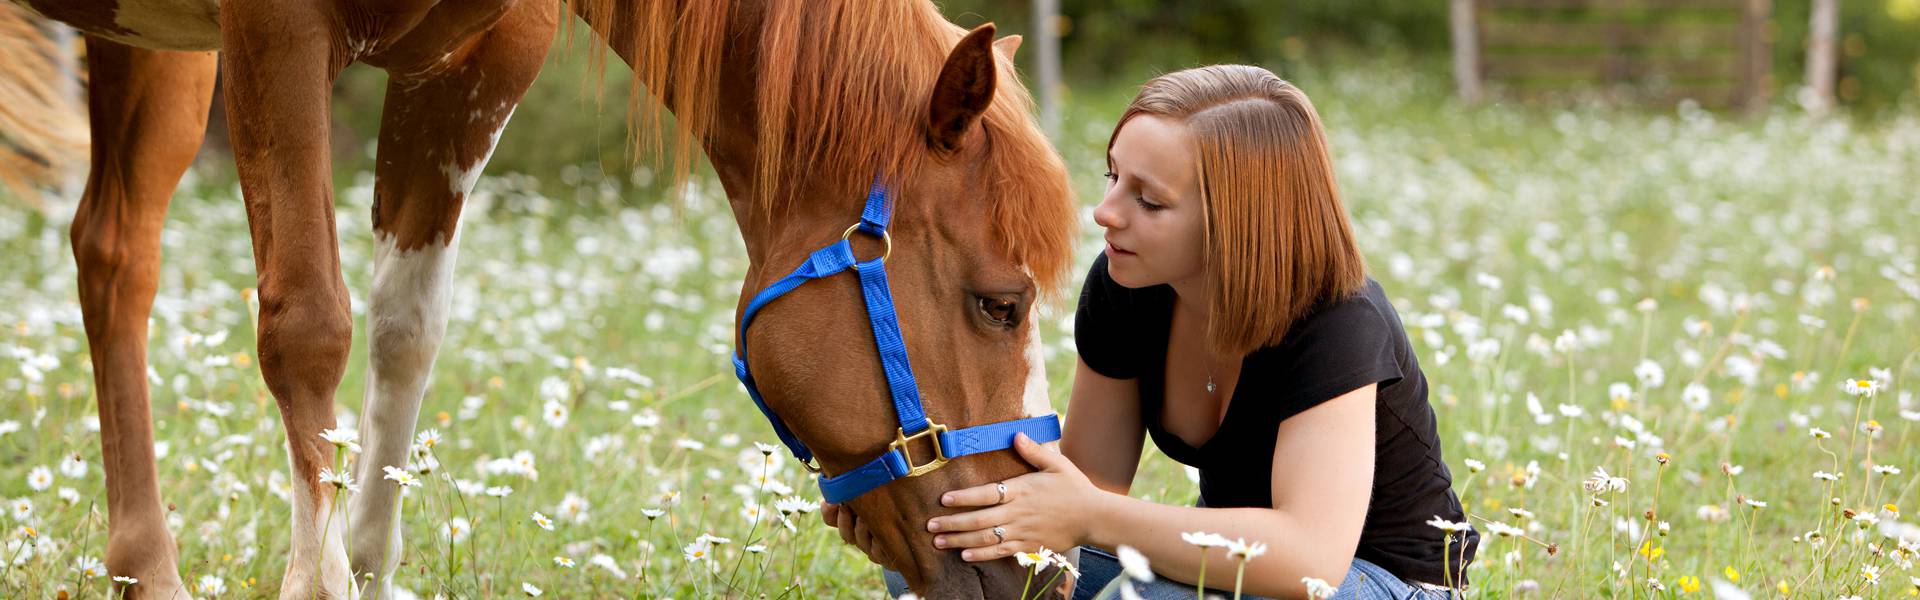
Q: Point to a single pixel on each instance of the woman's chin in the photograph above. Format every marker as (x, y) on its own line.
(1121, 274)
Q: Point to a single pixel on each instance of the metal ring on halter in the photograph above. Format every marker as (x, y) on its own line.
(1000, 533)
(884, 237)
(1002, 488)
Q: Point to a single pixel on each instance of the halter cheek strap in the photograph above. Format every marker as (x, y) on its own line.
(897, 462)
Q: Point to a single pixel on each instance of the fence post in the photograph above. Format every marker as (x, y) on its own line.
(1757, 56)
(1824, 28)
(1466, 50)
(1046, 35)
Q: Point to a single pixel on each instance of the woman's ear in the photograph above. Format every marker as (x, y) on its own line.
(964, 90)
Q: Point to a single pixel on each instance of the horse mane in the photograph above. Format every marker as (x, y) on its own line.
(841, 89)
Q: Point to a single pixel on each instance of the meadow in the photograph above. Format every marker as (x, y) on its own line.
(1671, 352)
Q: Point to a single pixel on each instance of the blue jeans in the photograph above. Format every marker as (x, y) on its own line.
(1365, 581)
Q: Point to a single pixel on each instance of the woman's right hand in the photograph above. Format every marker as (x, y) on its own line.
(853, 532)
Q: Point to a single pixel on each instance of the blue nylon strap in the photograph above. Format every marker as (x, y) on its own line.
(879, 211)
(851, 484)
(893, 349)
(891, 466)
(826, 261)
(998, 436)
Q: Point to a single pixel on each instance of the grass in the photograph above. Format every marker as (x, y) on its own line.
(1775, 259)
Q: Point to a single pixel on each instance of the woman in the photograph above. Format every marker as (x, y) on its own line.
(1231, 319)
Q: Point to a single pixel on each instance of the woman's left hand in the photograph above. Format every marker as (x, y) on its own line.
(1040, 509)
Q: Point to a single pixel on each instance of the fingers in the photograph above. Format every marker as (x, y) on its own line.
(970, 539)
(828, 512)
(979, 495)
(843, 522)
(970, 521)
(997, 551)
(1042, 457)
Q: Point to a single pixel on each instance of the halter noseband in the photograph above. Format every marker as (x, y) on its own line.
(897, 461)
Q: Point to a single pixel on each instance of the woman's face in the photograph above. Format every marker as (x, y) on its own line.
(1153, 211)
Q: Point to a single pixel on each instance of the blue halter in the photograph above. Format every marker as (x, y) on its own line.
(897, 462)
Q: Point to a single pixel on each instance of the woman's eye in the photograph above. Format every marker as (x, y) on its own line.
(999, 310)
(1146, 205)
(1111, 176)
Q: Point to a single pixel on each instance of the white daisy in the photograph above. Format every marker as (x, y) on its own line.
(1318, 588)
(1239, 549)
(212, 585)
(573, 508)
(89, 567)
(401, 477)
(40, 478)
(344, 439)
(554, 413)
(1204, 539)
(1134, 563)
(1448, 526)
(457, 529)
(73, 467)
(1696, 397)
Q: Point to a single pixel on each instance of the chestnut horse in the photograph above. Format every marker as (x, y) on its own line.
(798, 106)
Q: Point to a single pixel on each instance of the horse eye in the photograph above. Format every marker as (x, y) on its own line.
(1000, 311)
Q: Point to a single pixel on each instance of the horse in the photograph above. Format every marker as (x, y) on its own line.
(799, 108)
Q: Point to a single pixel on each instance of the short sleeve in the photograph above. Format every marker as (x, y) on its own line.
(1103, 322)
(1338, 348)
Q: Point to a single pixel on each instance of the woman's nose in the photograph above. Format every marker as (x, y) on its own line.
(1107, 213)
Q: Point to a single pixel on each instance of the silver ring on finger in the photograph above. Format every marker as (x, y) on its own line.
(1000, 533)
(1002, 488)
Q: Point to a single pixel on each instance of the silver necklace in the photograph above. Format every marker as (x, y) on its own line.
(1209, 379)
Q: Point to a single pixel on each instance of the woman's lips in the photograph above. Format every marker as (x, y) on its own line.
(1112, 249)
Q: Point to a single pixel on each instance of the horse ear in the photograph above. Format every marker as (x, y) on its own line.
(964, 90)
(1008, 45)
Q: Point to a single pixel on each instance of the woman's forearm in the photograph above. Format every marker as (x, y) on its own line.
(1295, 549)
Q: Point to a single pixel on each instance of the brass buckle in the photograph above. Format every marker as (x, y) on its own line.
(900, 439)
(811, 467)
(884, 237)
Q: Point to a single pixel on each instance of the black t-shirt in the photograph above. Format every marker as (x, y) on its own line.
(1339, 345)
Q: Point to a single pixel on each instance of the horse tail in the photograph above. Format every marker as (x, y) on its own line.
(43, 125)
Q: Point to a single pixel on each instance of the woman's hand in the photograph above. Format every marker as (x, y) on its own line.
(1040, 509)
(853, 532)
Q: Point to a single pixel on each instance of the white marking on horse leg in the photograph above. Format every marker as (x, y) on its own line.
(1036, 402)
(460, 179)
(406, 321)
(318, 558)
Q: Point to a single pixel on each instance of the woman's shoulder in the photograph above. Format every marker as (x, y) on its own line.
(1360, 328)
(1365, 313)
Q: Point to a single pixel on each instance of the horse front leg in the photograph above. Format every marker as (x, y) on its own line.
(279, 61)
(439, 126)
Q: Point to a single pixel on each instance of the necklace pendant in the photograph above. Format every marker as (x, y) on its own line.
(1209, 385)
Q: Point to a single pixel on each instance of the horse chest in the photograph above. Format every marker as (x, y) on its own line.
(154, 24)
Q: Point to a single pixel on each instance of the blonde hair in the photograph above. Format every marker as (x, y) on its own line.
(1277, 237)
